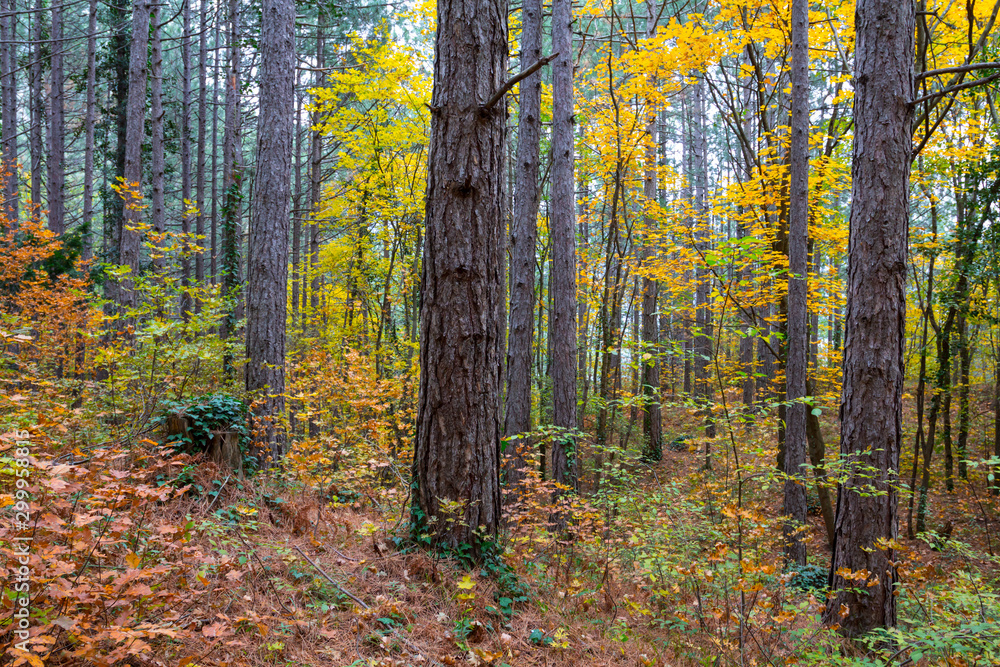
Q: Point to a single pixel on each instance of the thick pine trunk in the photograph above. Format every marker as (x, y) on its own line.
(871, 404)
(456, 495)
(267, 270)
(517, 417)
(798, 231)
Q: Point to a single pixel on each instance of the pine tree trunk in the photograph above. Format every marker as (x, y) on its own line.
(456, 495)
(232, 182)
(37, 104)
(129, 238)
(199, 260)
(871, 405)
(57, 143)
(563, 231)
(517, 417)
(8, 99)
(316, 181)
(704, 336)
(88, 123)
(158, 218)
(297, 211)
(267, 269)
(187, 303)
(652, 420)
(798, 267)
(214, 231)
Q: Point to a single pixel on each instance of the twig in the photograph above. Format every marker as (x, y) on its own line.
(515, 79)
(340, 588)
(217, 494)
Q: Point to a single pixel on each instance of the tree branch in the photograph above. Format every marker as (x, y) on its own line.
(952, 89)
(514, 81)
(957, 70)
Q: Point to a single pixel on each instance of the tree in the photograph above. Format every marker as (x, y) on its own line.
(57, 140)
(563, 232)
(267, 270)
(871, 400)
(523, 231)
(456, 494)
(797, 341)
(129, 238)
(232, 180)
(8, 101)
(652, 428)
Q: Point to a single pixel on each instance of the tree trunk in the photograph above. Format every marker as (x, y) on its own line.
(316, 182)
(214, 231)
(232, 182)
(563, 230)
(517, 416)
(703, 338)
(8, 99)
(158, 218)
(267, 270)
(798, 268)
(297, 210)
(57, 135)
(37, 103)
(129, 238)
(199, 259)
(652, 419)
(871, 405)
(456, 462)
(187, 303)
(88, 128)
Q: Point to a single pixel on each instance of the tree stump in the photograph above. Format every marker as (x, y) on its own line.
(224, 449)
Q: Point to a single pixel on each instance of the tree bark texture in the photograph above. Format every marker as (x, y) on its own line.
(267, 270)
(232, 180)
(456, 496)
(187, 304)
(88, 128)
(8, 99)
(563, 231)
(37, 103)
(57, 135)
(795, 371)
(871, 402)
(158, 218)
(652, 419)
(129, 238)
(517, 417)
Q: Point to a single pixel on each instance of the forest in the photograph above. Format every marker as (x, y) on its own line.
(610, 332)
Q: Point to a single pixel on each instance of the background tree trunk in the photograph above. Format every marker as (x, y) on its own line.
(91, 113)
(456, 495)
(158, 219)
(8, 99)
(871, 404)
(652, 428)
(57, 134)
(517, 417)
(129, 240)
(232, 181)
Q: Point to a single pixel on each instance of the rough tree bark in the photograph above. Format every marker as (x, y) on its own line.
(267, 270)
(517, 417)
(563, 231)
(456, 495)
(871, 403)
(232, 182)
(652, 420)
(129, 239)
(8, 99)
(37, 105)
(798, 239)
(57, 131)
(187, 304)
(88, 129)
(158, 217)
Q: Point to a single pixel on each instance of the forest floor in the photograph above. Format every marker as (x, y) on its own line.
(670, 565)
